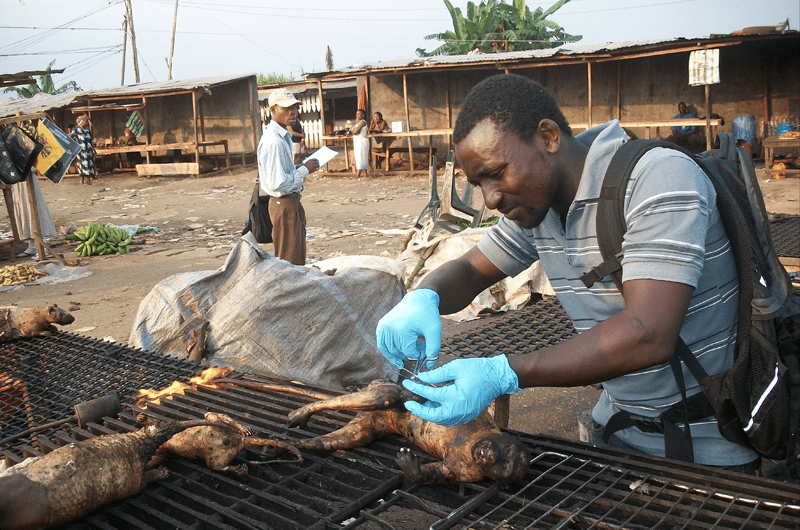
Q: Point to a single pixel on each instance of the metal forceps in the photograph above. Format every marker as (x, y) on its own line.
(411, 373)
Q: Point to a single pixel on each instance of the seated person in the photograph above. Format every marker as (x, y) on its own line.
(379, 125)
(129, 159)
(689, 137)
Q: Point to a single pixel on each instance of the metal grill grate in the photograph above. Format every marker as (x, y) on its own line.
(786, 236)
(43, 378)
(569, 484)
(572, 492)
(537, 326)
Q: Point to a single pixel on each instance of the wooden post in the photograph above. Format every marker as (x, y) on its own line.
(708, 116)
(447, 107)
(172, 43)
(619, 90)
(124, 48)
(321, 107)
(196, 136)
(367, 106)
(589, 79)
(146, 127)
(765, 127)
(408, 125)
(129, 11)
(36, 226)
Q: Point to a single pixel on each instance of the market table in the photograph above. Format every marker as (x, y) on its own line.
(430, 133)
(770, 143)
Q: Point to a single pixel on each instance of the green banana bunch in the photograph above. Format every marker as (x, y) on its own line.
(96, 239)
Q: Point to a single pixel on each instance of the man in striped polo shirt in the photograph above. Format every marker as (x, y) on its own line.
(678, 271)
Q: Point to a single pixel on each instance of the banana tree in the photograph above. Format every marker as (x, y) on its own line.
(44, 85)
(494, 26)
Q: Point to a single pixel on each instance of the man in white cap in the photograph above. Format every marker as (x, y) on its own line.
(282, 180)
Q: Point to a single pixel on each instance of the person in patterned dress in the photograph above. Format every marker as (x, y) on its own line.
(82, 134)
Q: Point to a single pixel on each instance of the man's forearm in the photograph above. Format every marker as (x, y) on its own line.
(458, 282)
(643, 334)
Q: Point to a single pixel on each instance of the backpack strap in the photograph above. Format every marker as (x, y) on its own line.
(611, 217)
(610, 206)
(677, 441)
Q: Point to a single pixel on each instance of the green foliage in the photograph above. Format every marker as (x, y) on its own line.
(272, 78)
(45, 85)
(495, 26)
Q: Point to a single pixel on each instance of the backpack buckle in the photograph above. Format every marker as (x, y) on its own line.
(647, 424)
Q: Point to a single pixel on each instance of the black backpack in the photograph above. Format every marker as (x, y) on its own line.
(757, 401)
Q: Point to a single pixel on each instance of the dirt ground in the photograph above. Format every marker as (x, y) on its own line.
(198, 221)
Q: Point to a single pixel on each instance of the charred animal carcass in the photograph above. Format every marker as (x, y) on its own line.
(217, 446)
(18, 323)
(467, 453)
(74, 479)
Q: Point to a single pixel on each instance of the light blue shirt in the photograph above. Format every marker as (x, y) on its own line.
(683, 131)
(276, 170)
(674, 233)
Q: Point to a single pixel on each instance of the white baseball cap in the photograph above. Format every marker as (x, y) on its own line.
(282, 97)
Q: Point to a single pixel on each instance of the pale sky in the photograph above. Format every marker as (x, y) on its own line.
(242, 37)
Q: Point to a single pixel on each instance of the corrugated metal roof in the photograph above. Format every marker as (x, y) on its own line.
(570, 49)
(45, 102)
(263, 95)
(566, 50)
(165, 86)
(37, 104)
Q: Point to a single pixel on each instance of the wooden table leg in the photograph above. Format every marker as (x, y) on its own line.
(16, 242)
(768, 152)
(36, 227)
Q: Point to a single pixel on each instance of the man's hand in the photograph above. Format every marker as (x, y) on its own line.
(475, 383)
(312, 165)
(417, 315)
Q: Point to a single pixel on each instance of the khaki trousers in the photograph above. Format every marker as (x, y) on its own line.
(288, 228)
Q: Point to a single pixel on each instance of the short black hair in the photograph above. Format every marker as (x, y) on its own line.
(511, 100)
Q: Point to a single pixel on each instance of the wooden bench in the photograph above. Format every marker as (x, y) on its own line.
(658, 124)
(149, 148)
(770, 143)
(381, 153)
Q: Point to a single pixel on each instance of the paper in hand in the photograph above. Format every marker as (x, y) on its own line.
(324, 155)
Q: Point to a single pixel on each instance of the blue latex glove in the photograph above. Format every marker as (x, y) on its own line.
(476, 382)
(417, 315)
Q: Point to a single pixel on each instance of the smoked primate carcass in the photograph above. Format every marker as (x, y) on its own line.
(18, 323)
(75, 479)
(468, 452)
(217, 445)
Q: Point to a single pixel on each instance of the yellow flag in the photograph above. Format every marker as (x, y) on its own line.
(52, 151)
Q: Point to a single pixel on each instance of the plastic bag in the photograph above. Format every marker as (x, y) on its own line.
(22, 151)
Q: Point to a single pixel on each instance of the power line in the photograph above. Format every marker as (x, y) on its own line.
(35, 39)
(313, 14)
(248, 40)
(59, 52)
(294, 9)
(627, 8)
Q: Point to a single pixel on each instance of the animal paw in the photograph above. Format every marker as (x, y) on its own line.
(408, 462)
(240, 470)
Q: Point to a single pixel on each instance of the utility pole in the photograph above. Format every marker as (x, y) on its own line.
(172, 44)
(129, 15)
(124, 49)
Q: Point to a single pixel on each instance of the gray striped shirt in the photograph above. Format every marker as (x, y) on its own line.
(673, 234)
